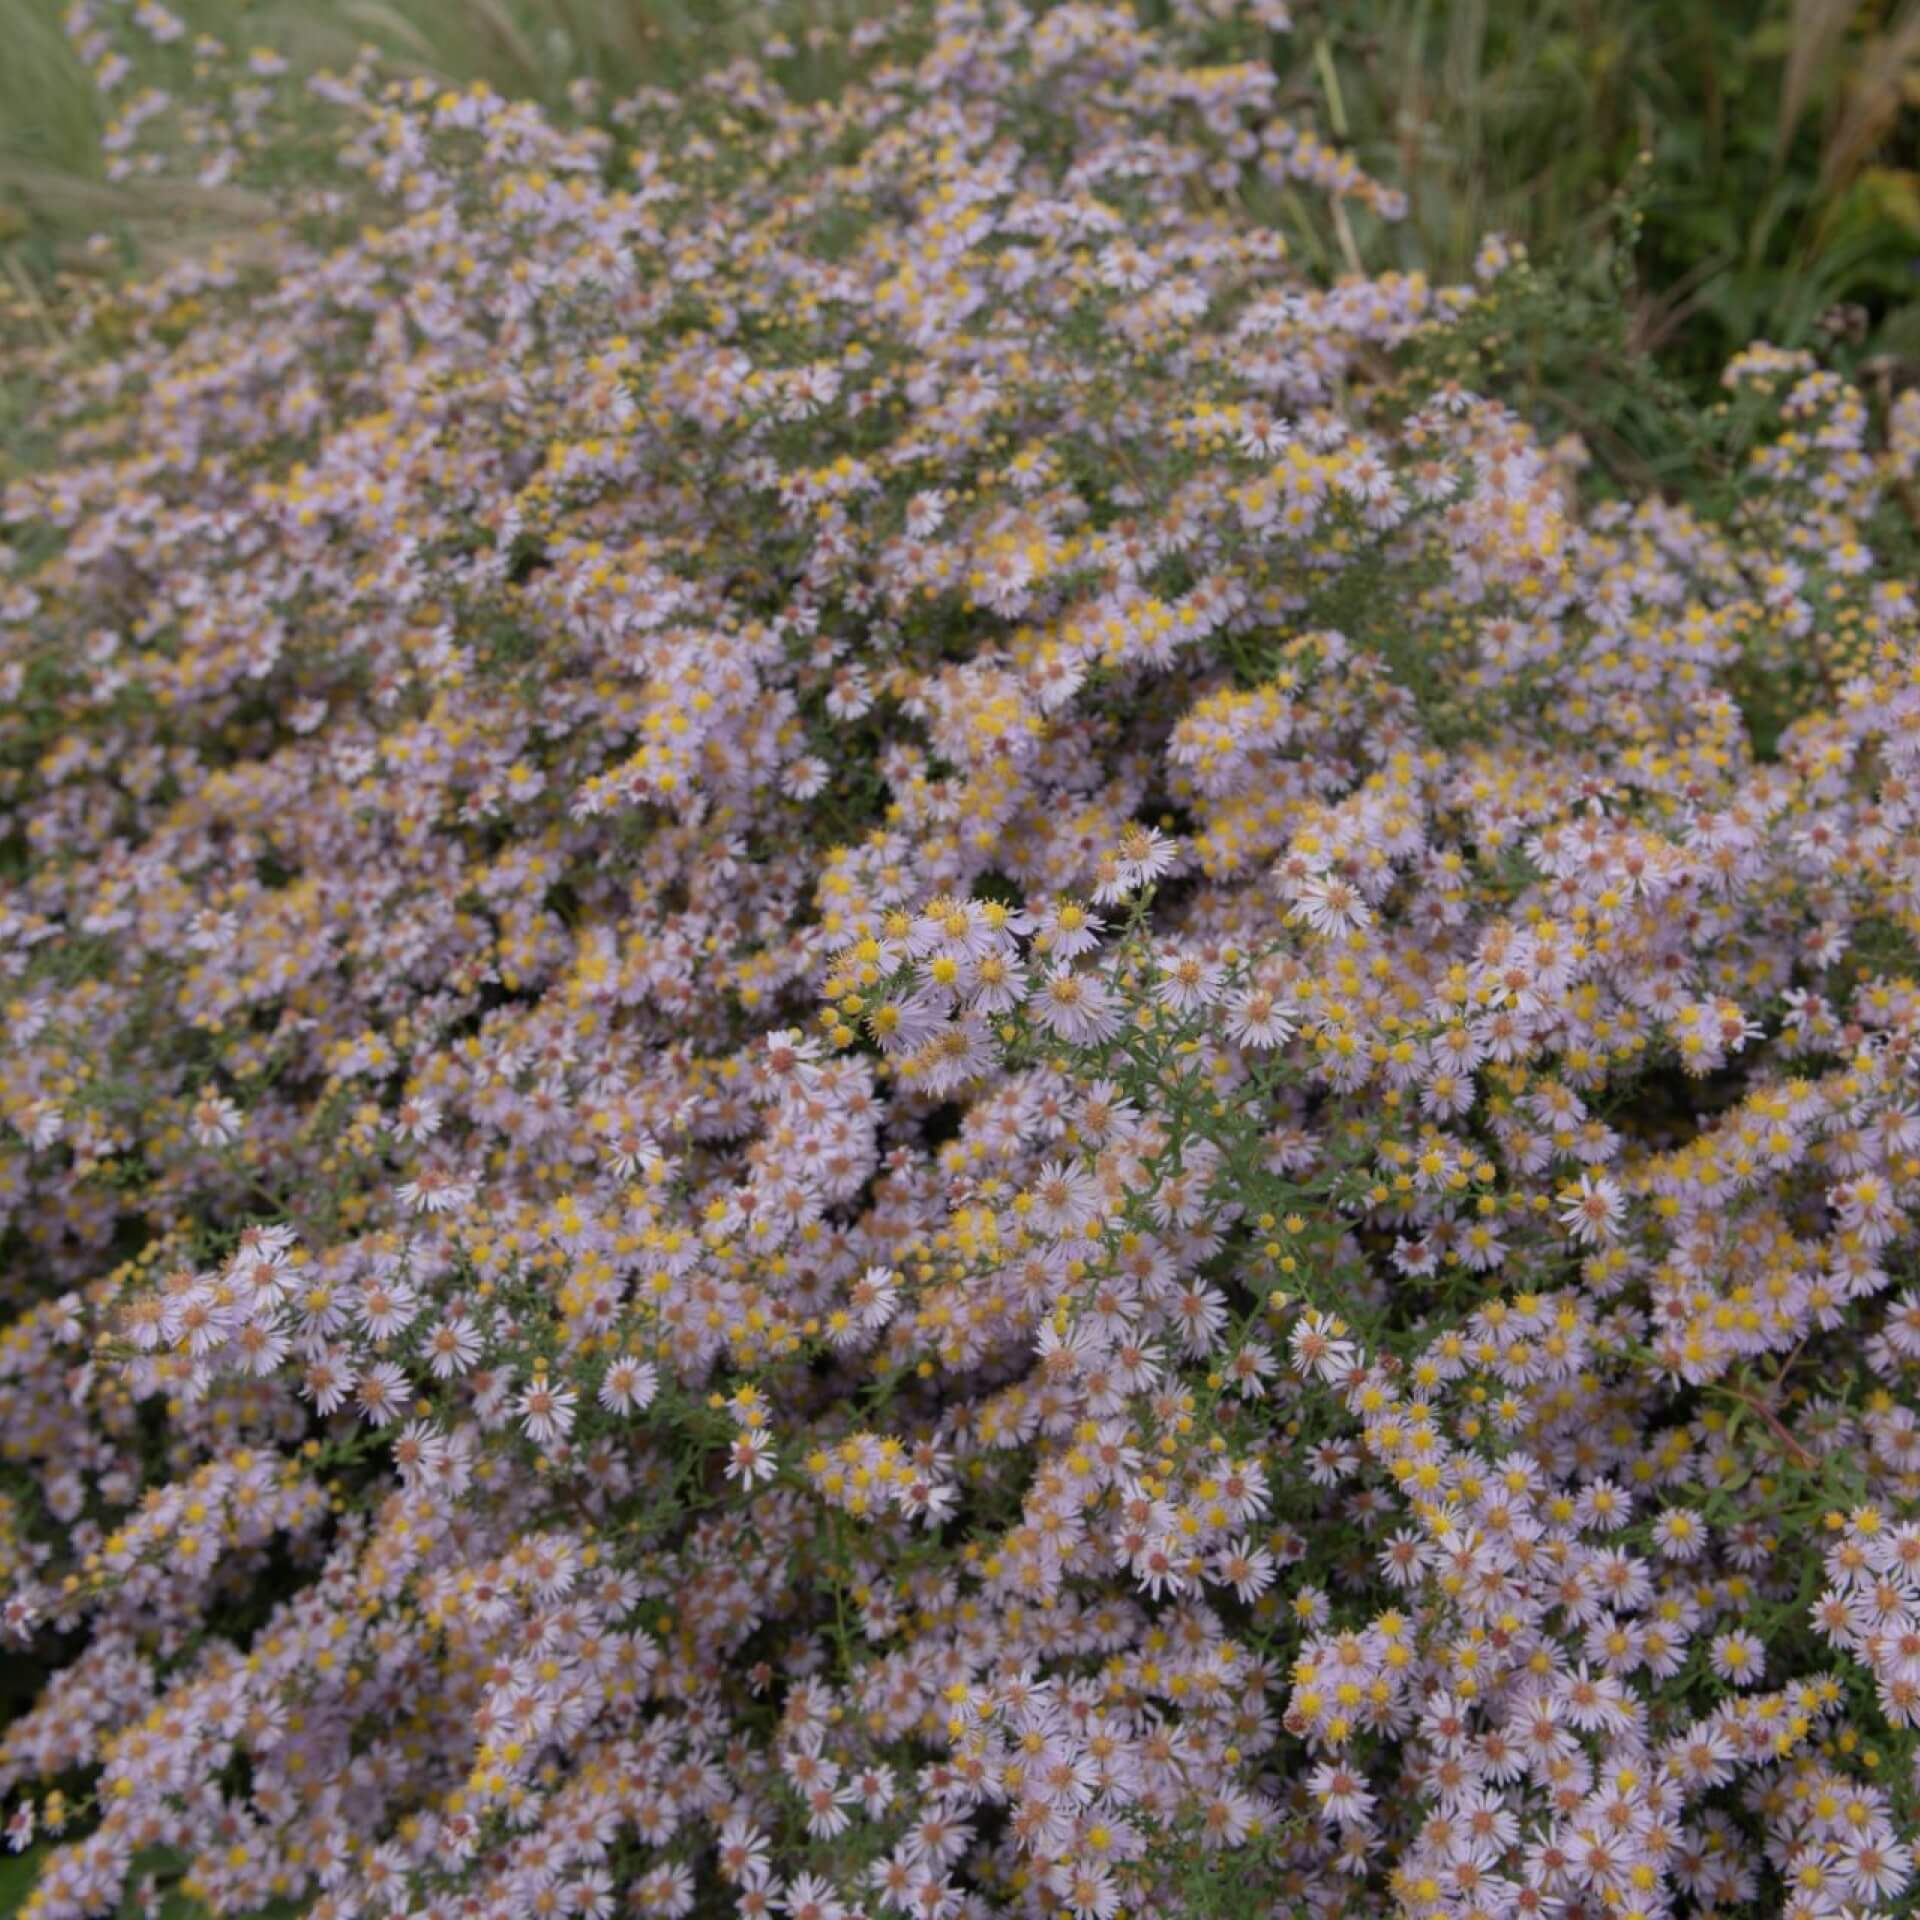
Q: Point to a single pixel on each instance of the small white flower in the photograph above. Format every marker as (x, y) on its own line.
(629, 1387)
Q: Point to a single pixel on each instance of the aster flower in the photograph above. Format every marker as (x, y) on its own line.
(629, 1386)
(1064, 1199)
(1187, 982)
(1739, 1657)
(1593, 1208)
(381, 1393)
(216, 1121)
(1078, 1007)
(546, 1410)
(1258, 1018)
(750, 1459)
(1329, 905)
(435, 1190)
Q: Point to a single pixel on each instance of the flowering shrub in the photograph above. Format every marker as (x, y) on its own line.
(882, 1042)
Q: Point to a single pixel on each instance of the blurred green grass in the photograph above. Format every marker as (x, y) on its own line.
(55, 195)
(1782, 137)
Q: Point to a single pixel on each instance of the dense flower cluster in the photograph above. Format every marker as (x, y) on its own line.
(883, 1040)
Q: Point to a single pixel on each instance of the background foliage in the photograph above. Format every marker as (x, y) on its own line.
(1770, 150)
